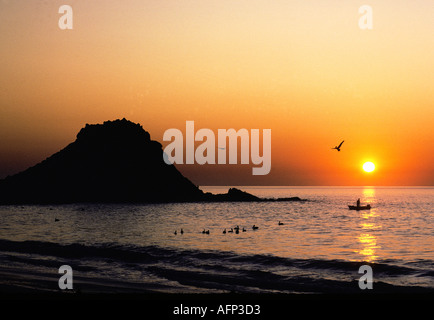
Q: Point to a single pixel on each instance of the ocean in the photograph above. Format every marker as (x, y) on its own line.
(318, 247)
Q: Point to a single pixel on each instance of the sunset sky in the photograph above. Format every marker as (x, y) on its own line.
(303, 69)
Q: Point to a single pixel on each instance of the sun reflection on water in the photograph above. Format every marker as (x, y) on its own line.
(369, 246)
(367, 238)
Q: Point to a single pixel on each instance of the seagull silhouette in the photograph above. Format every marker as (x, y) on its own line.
(339, 146)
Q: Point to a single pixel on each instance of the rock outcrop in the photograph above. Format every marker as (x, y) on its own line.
(111, 162)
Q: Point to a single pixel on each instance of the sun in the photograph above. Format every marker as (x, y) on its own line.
(368, 166)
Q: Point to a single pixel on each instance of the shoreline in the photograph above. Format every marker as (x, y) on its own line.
(233, 195)
(24, 283)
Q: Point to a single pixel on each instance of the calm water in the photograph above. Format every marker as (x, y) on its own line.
(318, 249)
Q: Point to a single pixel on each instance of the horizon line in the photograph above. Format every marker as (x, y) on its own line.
(316, 186)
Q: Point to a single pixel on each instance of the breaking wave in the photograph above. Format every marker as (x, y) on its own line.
(217, 271)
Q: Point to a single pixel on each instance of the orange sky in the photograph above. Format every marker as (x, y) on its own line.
(303, 69)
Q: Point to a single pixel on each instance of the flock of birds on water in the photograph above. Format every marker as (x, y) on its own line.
(232, 230)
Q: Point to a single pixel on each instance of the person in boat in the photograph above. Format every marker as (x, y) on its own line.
(358, 202)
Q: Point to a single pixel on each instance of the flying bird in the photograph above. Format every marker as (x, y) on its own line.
(339, 146)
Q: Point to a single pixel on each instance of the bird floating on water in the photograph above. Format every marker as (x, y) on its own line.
(224, 231)
(339, 146)
(281, 223)
(175, 233)
(255, 227)
(182, 231)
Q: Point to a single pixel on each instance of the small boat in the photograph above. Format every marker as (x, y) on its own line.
(367, 207)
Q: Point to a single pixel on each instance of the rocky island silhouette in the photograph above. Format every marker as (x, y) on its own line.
(113, 162)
